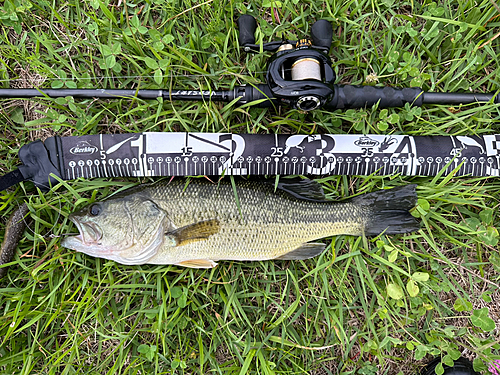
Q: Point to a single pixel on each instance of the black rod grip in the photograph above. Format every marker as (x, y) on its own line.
(350, 96)
(322, 33)
(247, 26)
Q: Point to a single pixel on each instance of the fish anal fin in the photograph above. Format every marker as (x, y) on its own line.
(306, 251)
(197, 263)
(194, 232)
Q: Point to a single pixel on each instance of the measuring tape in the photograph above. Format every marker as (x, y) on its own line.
(196, 154)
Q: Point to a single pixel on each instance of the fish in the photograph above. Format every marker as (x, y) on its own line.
(13, 233)
(196, 223)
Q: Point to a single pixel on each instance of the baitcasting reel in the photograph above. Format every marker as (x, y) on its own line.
(300, 74)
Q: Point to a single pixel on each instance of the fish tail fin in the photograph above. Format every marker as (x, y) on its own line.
(389, 210)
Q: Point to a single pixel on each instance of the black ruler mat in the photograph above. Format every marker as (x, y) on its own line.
(192, 154)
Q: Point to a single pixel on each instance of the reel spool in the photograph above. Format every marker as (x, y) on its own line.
(308, 68)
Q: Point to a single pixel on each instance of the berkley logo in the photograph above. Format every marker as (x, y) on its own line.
(83, 148)
(366, 142)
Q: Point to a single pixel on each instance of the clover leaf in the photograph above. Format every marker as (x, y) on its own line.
(481, 319)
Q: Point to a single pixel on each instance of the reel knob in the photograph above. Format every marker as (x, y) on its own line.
(322, 33)
(247, 26)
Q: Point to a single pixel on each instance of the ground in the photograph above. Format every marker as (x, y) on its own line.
(66, 313)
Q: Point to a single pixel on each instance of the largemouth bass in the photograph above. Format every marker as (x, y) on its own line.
(196, 223)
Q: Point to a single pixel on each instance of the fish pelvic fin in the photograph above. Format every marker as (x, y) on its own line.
(194, 232)
(306, 251)
(197, 263)
(389, 210)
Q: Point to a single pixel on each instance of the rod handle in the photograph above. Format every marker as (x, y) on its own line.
(247, 26)
(350, 96)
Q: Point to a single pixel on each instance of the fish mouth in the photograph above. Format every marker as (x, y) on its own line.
(90, 233)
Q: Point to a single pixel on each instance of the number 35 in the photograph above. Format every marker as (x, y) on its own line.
(367, 151)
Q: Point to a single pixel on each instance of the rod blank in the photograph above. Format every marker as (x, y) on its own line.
(176, 94)
(456, 98)
(80, 93)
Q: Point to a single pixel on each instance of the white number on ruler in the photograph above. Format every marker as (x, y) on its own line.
(277, 152)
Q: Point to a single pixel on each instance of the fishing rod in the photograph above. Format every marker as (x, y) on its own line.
(299, 75)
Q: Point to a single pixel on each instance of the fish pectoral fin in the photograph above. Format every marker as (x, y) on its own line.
(193, 232)
(197, 263)
(306, 251)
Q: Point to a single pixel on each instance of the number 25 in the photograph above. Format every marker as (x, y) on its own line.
(277, 151)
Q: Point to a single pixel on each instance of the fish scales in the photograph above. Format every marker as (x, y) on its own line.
(198, 223)
(269, 225)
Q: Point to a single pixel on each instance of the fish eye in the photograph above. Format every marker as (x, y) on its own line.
(95, 209)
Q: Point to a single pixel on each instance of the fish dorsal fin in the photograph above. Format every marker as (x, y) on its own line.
(305, 189)
(306, 251)
(194, 232)
(197, 263)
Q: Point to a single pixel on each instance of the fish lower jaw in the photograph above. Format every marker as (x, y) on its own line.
(73, 242)
(79, 238)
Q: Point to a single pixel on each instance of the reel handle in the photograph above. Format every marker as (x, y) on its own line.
(322, 33)
(247, 26)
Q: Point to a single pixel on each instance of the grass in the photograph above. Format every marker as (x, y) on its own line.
(67, 313)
